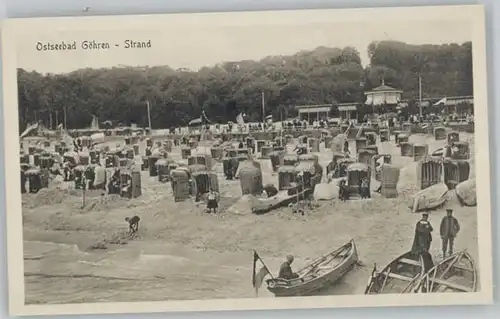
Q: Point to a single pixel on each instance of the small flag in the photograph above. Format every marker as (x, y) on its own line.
(442, 101)
(258, 277)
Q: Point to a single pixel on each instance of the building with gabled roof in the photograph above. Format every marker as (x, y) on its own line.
(383, 95)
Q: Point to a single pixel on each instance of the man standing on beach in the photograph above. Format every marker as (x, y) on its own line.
(423, 237)
(448, 231)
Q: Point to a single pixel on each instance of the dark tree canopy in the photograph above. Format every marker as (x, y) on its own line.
(446, 69)
(322, 76)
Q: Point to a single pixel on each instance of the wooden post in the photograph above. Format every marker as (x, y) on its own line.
(263, 110)
(84, 187)
(65, 123)
(149, 117)
(420, 94)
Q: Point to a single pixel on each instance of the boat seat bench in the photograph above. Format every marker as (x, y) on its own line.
(326, 267)
(397, 276)
(461, 267)
(451, 285)
(410, 262)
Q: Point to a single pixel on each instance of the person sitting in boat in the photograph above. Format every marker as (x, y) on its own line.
(286, 269)
(423, 237)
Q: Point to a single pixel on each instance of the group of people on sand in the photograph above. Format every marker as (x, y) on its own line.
(448, 231)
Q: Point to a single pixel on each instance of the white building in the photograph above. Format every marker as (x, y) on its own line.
(383, 95)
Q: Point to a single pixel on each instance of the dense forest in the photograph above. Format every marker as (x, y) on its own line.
(322, 76)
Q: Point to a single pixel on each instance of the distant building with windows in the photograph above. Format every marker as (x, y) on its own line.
(386, 97)
(383, 95)
(314, 112)
(450, 104)
(348, 111)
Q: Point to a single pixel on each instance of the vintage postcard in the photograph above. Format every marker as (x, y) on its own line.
(250, 160)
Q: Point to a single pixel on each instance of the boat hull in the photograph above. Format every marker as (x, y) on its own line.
(399, 276)
(456, 273)
(264, 206)
(309, 285)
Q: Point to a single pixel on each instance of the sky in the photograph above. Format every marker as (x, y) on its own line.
(194, 45)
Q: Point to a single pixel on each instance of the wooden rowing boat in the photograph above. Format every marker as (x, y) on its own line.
(265, 205)
(318, 275)
(399, 276)
(457, 273)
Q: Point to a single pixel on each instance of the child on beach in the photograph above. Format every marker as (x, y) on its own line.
(212, 202)
(133, 224)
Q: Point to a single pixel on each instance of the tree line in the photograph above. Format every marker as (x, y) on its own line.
(176, 96)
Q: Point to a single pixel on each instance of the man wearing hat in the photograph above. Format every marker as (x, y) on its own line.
(286, 269)
(423, 237)
(448, 231)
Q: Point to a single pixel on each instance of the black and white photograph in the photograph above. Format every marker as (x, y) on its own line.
(273, 158)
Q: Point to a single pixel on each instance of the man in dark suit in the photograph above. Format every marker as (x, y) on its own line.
(448, 231)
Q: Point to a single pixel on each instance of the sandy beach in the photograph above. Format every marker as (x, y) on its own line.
(76, 254)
